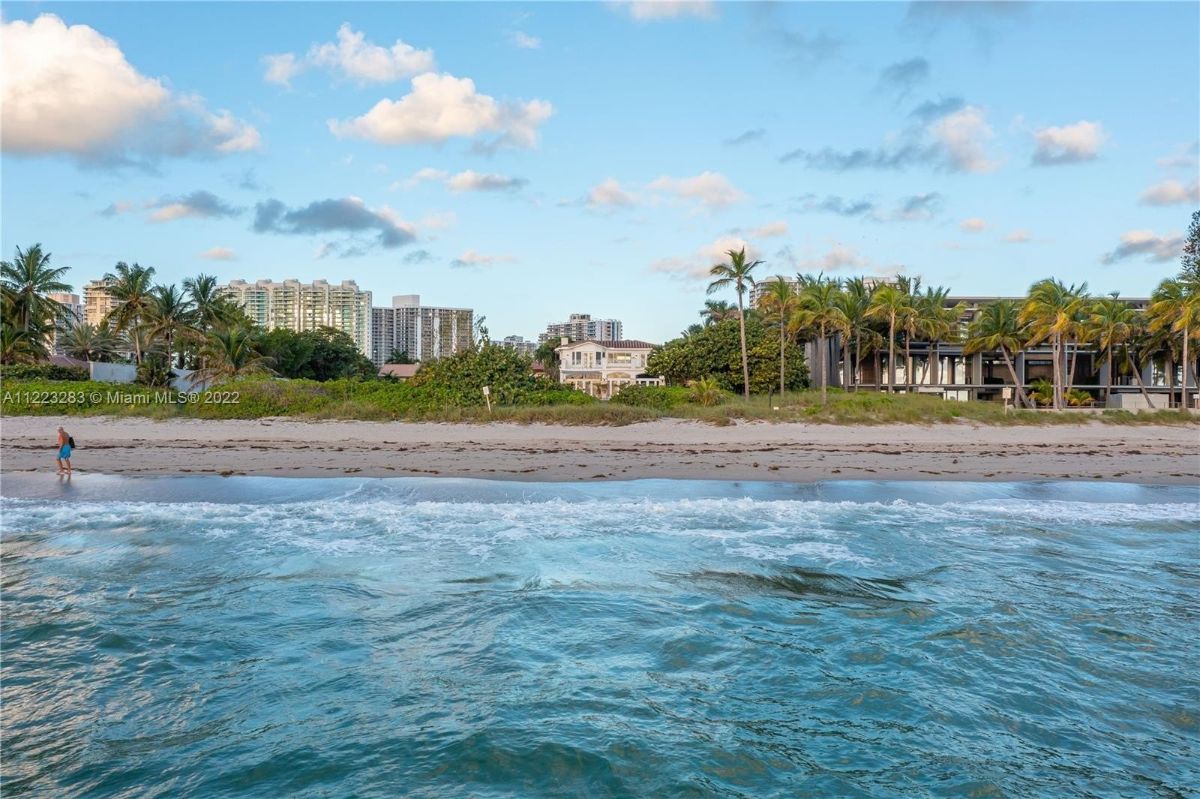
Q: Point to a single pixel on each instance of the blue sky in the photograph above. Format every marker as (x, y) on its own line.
(533, 160)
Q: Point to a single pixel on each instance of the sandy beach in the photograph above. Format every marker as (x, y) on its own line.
(666, 448)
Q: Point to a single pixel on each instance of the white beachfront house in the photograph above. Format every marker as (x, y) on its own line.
(603, 368)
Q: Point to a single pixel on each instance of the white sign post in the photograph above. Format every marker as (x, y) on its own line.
(1007, 393)
(487, 397)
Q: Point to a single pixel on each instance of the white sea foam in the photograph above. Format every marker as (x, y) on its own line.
(363, 523)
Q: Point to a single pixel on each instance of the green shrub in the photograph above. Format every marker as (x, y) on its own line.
(706, 392)
(43, 371)
(1041, 391)
(155, 371)
(1078, 398)
(662, 398)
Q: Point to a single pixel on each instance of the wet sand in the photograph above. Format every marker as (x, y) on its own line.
(664, 448)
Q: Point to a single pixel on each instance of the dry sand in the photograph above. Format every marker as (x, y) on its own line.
(666, 448)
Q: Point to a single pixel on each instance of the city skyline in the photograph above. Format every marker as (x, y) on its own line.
(529, 161)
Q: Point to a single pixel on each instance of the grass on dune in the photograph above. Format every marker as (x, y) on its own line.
(378, 401)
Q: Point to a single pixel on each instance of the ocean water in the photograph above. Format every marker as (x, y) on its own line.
(258, 637)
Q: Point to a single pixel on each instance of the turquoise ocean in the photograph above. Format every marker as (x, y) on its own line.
(258, 637)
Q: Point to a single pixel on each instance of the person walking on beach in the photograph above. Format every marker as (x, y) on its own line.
(65, 445)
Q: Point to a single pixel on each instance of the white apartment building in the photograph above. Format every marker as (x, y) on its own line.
(74, 315)
(582, 327)
(424, 332)
(520, 344)
(603, 368)
(298, 306)
(97, 302)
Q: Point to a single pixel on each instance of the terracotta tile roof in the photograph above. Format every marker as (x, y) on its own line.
(400, 370)
(623, 344)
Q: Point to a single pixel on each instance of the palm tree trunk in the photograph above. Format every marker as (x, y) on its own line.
(1137, 375)
(1169, 368)
(1056, 346)
(935, 365)
(878, 368)
(908, 363)
(822, 358)
(1187, 367)
(1012, 372)
(782, 341)
(857, 368)
(892, 355)
(1071, 373)
(745, 360)
(1108, 388)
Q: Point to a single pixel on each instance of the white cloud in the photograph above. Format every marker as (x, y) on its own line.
(197, 205)
(962, 136)
(525, 41)
(711, 189)
(69, 90)
(467, 180)
(352, 57)
(1172, 192)
(282, 67)
(420, 176)
(973, 225)
(698, 264)
(471, 258)
(1147, 243)
(609, 194)
(666, 9)
(769, 230)
(356, 58)
(1184, 157)
(218, 254)
(1068, 144)
(1019, 236)
(839, 257)
(117, 208)
(441, 107)
(471, 180)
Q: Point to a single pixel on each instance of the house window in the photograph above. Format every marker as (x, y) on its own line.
(577, 357)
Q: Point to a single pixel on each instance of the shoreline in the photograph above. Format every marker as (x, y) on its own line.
(670, 449)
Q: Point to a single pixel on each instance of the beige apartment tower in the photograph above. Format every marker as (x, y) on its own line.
(97, 302)
(424, 332)
(297, 306)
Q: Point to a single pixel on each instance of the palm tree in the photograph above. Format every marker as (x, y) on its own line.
(231, 352)
(891, 303)
(1140, 341)
(1050, 312)
(206, 301)
(937, 323)
(26, 281)
(820, 311)
(853, 302)
(779, 301)
(1110, 324)
(736, 273)
(17, 346)
(1175, 308)
(1078, 332)
(132, 287)
(89, 342)
(171, 314)
(717, 311)
(998, 327)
